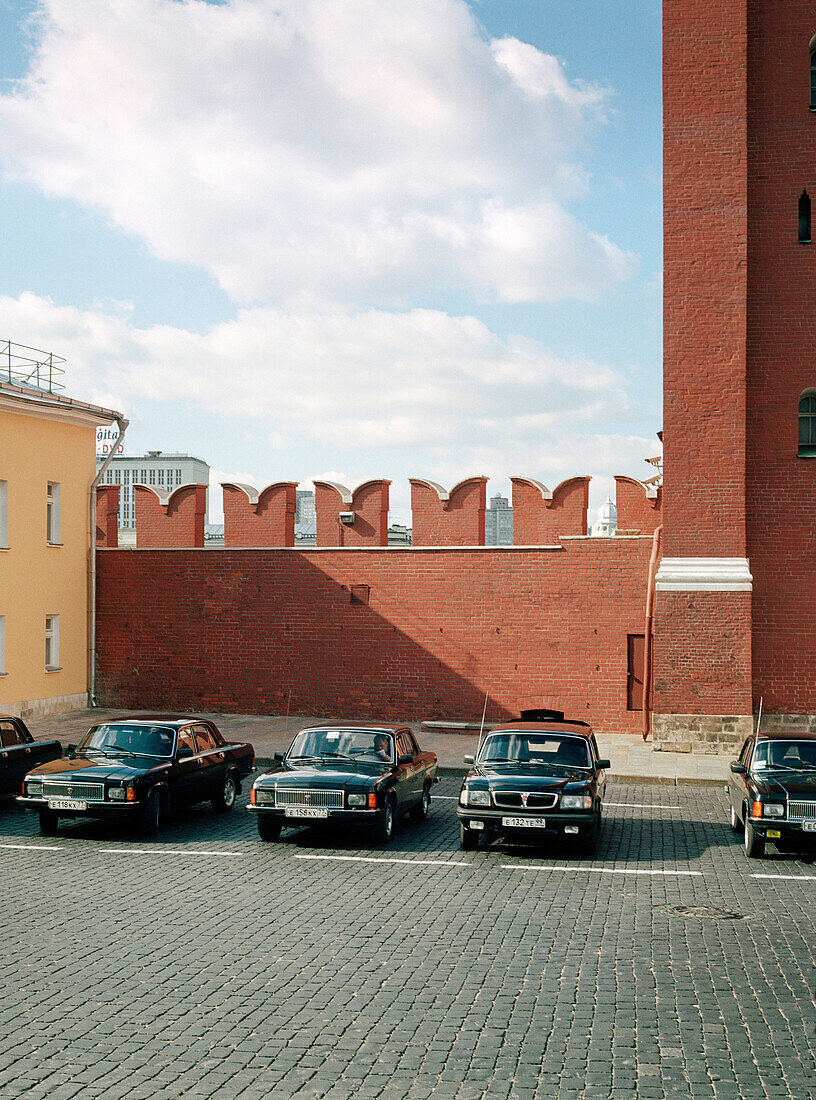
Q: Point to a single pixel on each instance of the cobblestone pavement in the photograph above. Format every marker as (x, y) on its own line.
(208, 964)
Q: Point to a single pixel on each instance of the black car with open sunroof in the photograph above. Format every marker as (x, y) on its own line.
(535, 779)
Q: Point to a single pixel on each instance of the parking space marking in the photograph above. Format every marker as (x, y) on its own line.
(642, 805)
(161, 852)
(389, 859)
(796, 878)
(33, 847)
(597, 870)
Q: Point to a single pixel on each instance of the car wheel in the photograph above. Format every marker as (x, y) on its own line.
(468, 838)
(49, 822)
(736, 824)
(588, 843)
(150, 815)
(753, 842)
(384, 829)
(223, 802)
(269, 828)
(420, 811)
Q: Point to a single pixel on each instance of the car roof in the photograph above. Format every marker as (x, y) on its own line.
(154, 720)
(383, 727)
(579, 730)
(786, 735)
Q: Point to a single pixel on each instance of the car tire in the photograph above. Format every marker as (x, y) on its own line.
(588, 843)
(269, 828)
(468, 838)
(386, 823)
(150, 815)
(753, 842)
(420, 811)
(49, 822)
(736, 824)
(223, 802)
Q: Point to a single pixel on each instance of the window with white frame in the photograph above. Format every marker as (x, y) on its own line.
(3, 513)
(52, 521)
(2, 645)
(51, 642)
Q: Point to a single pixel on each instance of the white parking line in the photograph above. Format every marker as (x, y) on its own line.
(161, 852)
(33, 847)
(390, 859)
(803, 878)
(642, 805)
(597, 870)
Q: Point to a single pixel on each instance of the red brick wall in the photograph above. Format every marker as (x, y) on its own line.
(107, 515)
(368, 502)
(637, 511)
(539, 521)
(180, 522)
(260, 630)
(268, 522)
(781, 334)
(457, 521)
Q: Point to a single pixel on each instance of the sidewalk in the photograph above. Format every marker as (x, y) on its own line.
(632, 760)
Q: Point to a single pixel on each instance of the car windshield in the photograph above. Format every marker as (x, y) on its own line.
(369, 746)
(123, 737)
(522, 747)
(794, 754)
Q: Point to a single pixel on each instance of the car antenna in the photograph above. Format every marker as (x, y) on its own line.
(481, 728)
(759, 717)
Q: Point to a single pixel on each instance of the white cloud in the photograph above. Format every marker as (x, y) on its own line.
(307, 151)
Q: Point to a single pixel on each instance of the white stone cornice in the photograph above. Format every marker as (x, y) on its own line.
(703, 575)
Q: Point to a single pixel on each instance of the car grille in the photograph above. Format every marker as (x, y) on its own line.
(524, 800)
(85, 792)
(290, 796)
(802, 811)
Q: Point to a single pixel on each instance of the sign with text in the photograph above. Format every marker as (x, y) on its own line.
(106, 440)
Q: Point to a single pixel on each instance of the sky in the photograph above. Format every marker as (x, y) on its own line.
(344, 239)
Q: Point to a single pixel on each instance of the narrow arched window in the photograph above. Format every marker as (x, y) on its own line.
(804, 218)
(807, 424)
(812, 77)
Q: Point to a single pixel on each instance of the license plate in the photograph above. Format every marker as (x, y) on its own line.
(524, 823)
(305, 811)
(66, 804)
(809, 826)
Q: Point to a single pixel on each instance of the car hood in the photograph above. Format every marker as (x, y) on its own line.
(325, 775)
(88, 768)
(532, 777)
(789, 784)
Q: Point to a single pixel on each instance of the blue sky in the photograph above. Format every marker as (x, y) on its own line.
(346, 238)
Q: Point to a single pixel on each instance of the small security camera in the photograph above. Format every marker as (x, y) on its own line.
(346, 518)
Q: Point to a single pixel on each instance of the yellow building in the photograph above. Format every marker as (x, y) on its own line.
(47, 561)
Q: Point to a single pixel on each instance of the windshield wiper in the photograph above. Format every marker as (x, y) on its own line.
(789, 768)
(339, 755)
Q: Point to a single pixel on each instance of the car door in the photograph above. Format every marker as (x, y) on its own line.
(413, 778)
(16, 756)
(738, 784)
(186, 778)
(212, 764)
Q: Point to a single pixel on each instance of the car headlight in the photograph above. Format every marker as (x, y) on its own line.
(576, 801)
(773, 809)
(262, 795)
(117, 794)
(474, 798)
(357, 799)
(34, 788)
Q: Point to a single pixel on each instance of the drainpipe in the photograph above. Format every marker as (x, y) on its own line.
(647, 639)
(122, 424)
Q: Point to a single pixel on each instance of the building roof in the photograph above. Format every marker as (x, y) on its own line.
(30, 398)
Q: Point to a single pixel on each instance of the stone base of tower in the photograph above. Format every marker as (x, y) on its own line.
(701, 670)
(700, 733)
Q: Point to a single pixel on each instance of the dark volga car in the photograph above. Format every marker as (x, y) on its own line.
(773, 790)
(532, 780)
(19, 753)
(366, 775)
(138, 768)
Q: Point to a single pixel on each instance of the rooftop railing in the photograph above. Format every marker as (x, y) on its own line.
(24, 366)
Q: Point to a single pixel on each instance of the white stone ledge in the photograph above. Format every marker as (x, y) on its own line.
(704, 575)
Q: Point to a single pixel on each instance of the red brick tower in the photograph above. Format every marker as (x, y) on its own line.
(736, 586)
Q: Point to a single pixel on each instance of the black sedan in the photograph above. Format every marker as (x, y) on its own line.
(534, 780)
(19, 753)
(772, 792)
(136, 770)
(332, 775)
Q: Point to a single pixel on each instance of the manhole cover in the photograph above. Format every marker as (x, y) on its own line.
(709, 911)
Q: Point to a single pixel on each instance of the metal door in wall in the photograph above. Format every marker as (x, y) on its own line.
(636, 646)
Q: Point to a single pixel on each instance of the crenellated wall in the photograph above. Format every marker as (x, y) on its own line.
(265, 518)
(541, 516)
(170, 519)
(358, 518)
(639, 505)
(456, 518)
(107, 515)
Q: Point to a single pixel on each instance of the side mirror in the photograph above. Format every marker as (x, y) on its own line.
(470, 760)
(603, 765)
(404, 758)
(738, 769)
(70, 748)
(278, 757)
